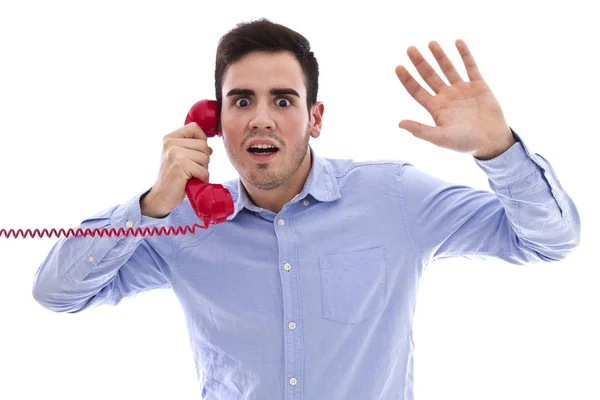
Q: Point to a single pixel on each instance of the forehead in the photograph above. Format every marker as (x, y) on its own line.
(261, 71)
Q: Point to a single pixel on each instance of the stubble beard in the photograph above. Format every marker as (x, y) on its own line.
(264, 177)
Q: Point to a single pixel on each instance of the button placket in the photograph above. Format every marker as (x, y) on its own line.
(292, 336)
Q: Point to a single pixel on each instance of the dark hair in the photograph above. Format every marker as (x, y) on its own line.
(264, 35)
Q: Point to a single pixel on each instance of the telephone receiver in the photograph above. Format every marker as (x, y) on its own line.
(211, 202)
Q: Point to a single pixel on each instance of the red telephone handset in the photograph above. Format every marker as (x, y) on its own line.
(212, 203)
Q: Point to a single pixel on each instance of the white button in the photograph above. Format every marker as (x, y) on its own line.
(292, 325)
(305, 202)
(293, 381)
(280, 222)
(129, 224)
(287, 266)
(91, 259)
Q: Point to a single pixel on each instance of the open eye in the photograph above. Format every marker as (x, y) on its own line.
(242, 102)
(282, 100)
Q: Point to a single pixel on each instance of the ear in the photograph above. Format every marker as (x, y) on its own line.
(316, 117)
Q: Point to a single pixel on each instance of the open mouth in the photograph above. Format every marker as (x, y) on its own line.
(263, 152)
(263, 149)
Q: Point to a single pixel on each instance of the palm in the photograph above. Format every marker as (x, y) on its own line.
(466, 114)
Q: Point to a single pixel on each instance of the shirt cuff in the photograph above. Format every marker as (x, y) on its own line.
(129, 216)
(511, 166)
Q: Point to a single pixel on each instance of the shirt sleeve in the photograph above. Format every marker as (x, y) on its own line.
(81, 272)
(527, 217)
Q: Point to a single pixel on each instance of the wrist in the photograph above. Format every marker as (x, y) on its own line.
(497, 150)
(150, 207)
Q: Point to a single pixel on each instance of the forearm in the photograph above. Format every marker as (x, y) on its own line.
(78, 268)
(527, 218)
(541, 213)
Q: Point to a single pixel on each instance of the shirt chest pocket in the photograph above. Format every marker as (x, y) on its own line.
(353, 284)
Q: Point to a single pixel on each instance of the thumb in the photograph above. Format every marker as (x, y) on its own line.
(418, 129)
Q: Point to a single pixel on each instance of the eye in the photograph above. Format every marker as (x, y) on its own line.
(242, 102)
(282, 100)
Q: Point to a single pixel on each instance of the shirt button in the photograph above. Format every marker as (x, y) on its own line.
(91, 259)
(280, 222)
(129, 224)
(287, 266)
(305, 202)
(292, 325)
(293, 381)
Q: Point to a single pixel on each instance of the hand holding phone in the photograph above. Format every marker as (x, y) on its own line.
(184, 170)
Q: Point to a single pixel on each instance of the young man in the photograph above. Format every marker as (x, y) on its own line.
(308, 290)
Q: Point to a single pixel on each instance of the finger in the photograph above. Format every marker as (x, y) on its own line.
(444, 62)
(196, 156)
(470, 64)
(189, 131)
(193, 131)
(192, 144)
(194, 170)
(421, 95)
(419, 130)
(425, 70)
(184, 159)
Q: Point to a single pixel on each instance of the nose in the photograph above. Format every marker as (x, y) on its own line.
(262, 119)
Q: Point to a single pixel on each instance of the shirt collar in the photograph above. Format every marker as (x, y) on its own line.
(321, 184)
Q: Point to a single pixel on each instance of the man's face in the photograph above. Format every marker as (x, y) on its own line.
(264, 120)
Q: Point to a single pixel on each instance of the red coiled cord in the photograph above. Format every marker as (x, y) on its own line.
(100, 232)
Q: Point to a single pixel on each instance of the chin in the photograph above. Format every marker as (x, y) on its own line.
(263, 180)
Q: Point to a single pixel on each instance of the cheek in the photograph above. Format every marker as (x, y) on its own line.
(225, 120)
(292, 124)
(231, 141)
(232, 130)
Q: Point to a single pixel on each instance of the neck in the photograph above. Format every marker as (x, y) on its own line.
(274, 199)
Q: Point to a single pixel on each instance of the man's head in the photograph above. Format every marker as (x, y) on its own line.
(266, 82)
(264, 35)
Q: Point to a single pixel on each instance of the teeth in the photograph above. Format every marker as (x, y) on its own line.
(262, 146)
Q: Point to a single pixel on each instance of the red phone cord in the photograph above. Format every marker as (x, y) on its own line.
(8, 233)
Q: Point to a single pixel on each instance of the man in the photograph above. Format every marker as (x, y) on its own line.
(308, 290)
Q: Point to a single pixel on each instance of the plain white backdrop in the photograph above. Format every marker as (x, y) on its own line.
(88, 90)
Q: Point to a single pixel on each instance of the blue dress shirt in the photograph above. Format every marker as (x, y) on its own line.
(317, 301)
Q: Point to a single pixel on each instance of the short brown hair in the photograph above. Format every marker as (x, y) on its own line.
(264, 35)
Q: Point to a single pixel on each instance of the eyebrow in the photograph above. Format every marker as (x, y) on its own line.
(273, 92)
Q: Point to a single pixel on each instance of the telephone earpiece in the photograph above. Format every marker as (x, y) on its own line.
(204, 113)
(211, 202)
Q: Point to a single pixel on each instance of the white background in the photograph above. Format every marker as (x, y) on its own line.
(88, 90)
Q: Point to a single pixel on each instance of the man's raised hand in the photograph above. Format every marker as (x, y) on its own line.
(467, 116)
